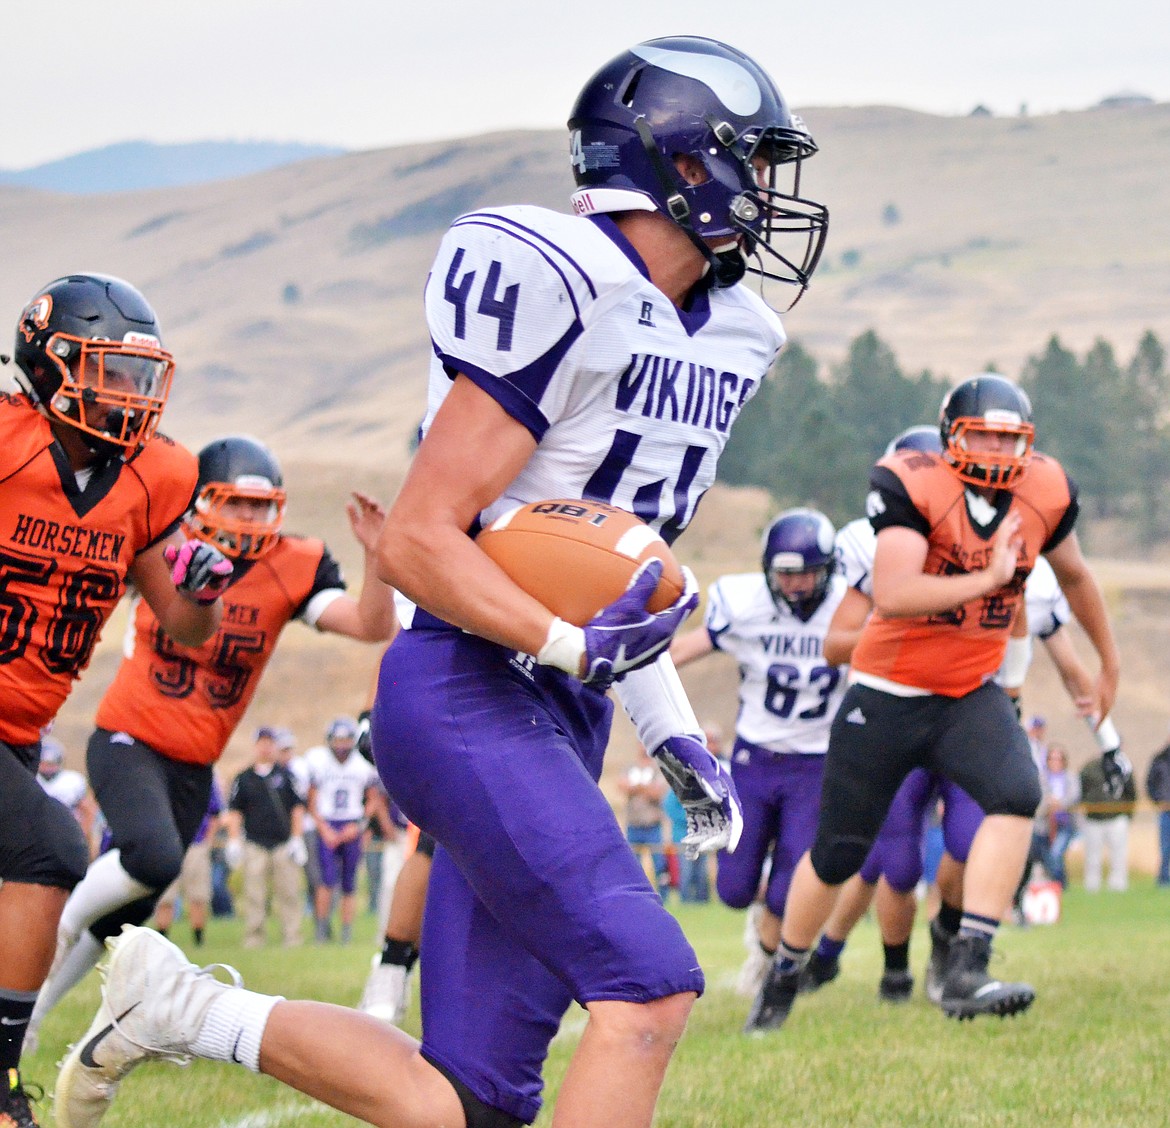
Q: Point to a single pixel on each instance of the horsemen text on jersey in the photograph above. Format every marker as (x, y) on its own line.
(918, 490)
(65, 553)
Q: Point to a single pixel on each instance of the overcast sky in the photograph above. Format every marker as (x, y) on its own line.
(362, 74)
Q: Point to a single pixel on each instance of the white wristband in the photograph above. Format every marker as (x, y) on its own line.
(563, 648)
(1016, 660)
(1107, 736)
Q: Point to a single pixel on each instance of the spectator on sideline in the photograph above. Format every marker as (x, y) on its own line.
(644, 788)
(68, 787)
(1158, 789)
(265, 823)
(1105, 828)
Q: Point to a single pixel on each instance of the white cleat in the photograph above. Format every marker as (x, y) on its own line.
(154, 1003)
(753, 972)
(387, 992)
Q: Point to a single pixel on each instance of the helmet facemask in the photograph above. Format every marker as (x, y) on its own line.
(242, 519)
(991, 470)
(803, 606)
(112, 391)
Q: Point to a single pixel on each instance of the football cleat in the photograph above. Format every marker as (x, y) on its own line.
(968, 991)
(936, 968)
(817, 972)
(16, 1102)
(154, 1003)
(774, 1001)
(387, 992)
(896, 987)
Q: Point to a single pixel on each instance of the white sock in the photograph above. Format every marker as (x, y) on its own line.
(80, 961)
(105, 887)
(234, 1027)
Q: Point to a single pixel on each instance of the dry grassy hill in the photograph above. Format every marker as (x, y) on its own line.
(292, 300)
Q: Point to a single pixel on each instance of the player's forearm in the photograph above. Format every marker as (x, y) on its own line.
(189, 623)
(377, 619)
(908, 596)
(441, 569)
(1088, 605)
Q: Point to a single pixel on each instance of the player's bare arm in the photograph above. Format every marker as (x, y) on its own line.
(901, 589)
(1084, 596)
(694, 644)
(472, 451)
(1078, 682)
(370, 617)
(845, 627)
(187, 622)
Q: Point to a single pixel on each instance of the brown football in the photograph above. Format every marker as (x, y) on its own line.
(575, 557)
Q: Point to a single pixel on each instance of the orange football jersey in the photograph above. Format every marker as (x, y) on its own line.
(185, 701)
(64, 555)
(954, 652)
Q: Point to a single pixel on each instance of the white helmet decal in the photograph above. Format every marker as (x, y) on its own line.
(732, 84)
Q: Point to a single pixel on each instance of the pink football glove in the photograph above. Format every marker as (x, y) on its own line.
(199, 570)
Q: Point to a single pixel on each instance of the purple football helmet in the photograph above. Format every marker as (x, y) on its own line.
(685, 96)
(921, 437)
(800, 542)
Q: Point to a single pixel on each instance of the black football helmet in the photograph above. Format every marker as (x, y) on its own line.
(988, 403)
(89, 354)
(239, 502)
(921, 437)
(698, 98)
(800, 540)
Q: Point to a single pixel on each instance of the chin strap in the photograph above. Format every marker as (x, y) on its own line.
(727, 267)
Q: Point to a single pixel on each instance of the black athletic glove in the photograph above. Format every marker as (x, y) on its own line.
(1117, 769)
(364, 744)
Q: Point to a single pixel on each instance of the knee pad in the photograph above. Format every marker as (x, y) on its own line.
(475, 1112)
(1020, 800)
(57, 856)
(736, 894)
(154, 864)
(837, 861)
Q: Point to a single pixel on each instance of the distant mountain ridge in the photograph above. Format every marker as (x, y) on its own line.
(133, 165)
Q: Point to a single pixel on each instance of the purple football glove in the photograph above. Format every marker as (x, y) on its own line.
(1117, 769)
(199, 570)
(705, 789)
(624, 635)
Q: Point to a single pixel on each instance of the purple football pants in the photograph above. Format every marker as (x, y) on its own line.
(897, 853)
(781, 798)
(339, 866)
(535, 897)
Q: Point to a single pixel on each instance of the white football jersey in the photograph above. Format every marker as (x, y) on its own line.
(67, 787)
(856, 544)
(1048, 610)
(788, 693)
(630, 398)
(341, 784)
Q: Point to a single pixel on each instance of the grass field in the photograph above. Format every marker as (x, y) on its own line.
(1093, 1050)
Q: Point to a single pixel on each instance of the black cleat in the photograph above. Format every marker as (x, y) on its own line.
(15, 1107)
(896, 987)
(774, 1001)
(817, 972)
(968, 991)
(936, 968)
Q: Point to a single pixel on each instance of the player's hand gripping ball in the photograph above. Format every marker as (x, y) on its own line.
(576, 557)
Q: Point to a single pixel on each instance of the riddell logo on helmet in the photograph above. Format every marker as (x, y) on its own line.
(135, 338)
(36, 316)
